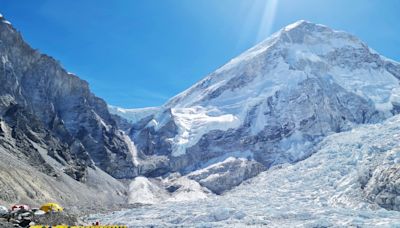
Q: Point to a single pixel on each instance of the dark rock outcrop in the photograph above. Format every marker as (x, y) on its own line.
(45, 105)
(383, 187)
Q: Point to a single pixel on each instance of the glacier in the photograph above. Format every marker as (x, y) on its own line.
(326, 189)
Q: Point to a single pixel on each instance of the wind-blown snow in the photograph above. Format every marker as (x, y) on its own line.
(323, 190)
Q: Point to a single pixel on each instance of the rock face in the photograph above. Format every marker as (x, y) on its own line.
(384, 187)
(52, 123)
(38, 96)
(273, 103)
(227, 174)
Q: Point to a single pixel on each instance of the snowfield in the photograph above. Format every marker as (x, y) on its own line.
(195, 122)
(323, 190)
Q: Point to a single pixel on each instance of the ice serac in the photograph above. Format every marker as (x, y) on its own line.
(273, 103)
(51, 122)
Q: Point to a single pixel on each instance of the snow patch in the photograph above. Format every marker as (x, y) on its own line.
(218, 160)
(195, 122)
(296, 146)
(188, 190)
(132, 149)
(155, 190)
(377, 86)
(106, 126)
(395, 96)
(144, 191)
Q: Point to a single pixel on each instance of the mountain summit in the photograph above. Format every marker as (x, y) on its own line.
(305, 50)
(270, 105)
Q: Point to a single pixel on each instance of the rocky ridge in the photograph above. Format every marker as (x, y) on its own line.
(54, 128)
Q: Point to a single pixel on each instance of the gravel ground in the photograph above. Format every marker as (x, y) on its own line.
(49, 219)
(4, 224)
(52, 219)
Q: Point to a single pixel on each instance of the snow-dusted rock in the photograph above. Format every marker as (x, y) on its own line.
(185, 189)
(383, 187)
(144, 190)
(225, 175)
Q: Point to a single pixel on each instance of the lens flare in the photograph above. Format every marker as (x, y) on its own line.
(267, 19)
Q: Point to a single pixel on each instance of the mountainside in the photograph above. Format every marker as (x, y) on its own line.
(343, 184)
(269, 106)
(310, 115)
(51, 122)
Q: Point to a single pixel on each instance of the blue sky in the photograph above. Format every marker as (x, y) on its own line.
(139, 53)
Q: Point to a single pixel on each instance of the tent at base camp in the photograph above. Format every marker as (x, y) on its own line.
(17, 207)
(51, 207)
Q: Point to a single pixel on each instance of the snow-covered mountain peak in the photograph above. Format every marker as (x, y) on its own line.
(299, 23)
(298, 51)
(306, 27)
(272, 103)
(303, 33)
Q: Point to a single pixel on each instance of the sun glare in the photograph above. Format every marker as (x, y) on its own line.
(267, 19)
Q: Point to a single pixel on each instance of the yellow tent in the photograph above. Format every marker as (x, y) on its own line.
(50, 207)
